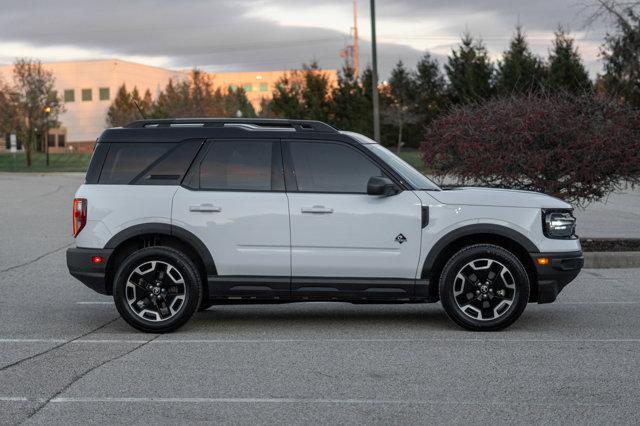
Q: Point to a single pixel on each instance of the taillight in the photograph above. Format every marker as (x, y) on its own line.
(79, 215)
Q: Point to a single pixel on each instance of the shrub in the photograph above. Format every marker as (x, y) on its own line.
(575, 147)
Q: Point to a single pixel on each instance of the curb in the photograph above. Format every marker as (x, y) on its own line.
(611, 259)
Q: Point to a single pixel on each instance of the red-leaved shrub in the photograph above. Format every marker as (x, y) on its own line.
(575, 147)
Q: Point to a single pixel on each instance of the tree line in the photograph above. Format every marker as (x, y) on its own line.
(410, 100)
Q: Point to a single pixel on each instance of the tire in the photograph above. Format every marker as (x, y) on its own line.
(157, 289)
(484, 287)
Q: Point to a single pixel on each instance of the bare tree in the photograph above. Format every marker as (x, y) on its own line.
(38, 103)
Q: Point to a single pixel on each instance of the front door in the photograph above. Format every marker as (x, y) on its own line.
(341, 238)
(236, 204)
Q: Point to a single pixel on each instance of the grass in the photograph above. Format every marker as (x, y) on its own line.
(57, 163)
(413, 157)
(80, 162)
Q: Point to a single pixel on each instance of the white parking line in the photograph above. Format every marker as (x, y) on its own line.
(13, 399)
(263, 341)
(63, 400)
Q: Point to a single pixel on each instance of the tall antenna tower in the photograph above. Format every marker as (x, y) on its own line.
(351, 52)
(356, 53)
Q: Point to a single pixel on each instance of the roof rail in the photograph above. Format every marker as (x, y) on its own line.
(249, 124)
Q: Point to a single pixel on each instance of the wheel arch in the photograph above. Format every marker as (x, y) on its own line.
(498, 235)
(136, 237)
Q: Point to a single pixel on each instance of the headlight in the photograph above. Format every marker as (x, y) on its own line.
(558, 223)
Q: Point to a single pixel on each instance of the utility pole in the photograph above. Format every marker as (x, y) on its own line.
(356, 53)
(374, 62)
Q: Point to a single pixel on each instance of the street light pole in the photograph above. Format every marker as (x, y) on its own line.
(374, 74)
(47, 111)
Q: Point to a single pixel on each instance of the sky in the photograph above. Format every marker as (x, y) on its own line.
(260, 35)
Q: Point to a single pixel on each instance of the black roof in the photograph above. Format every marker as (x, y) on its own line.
(179, 129)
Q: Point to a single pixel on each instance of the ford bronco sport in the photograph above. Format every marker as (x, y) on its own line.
(177, 215)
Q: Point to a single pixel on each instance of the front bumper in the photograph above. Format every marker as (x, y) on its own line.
(90, 274)
(561, 270)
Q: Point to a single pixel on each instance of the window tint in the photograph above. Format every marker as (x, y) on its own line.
(169, 169)
(126, 160)
(331, 167)
(242, 165)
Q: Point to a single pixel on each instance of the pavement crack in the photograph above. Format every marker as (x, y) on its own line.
(85, 373)
(20, 361)
(11, 268)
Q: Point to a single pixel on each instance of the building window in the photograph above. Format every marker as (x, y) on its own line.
(51, 140)
(248, 87)
(61, 140)
(233, 87)
(264, 87)
(87, 95)
(69, 95)
(104, 93)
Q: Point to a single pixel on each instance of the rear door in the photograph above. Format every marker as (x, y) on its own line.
(341, 238)
(233, 199)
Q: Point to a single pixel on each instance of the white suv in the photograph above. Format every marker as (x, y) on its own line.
(178, 215)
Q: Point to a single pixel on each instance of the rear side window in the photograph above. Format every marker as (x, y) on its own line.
(331, 167)
(97, 160)
(242, 165)
(125, 161)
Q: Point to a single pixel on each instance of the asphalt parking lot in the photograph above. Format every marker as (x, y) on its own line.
(66, 357)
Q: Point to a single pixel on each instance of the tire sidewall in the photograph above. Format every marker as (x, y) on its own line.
(484, 251)
(193, 288)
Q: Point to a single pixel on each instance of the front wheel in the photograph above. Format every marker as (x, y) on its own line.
(157, 289)
(484, 288)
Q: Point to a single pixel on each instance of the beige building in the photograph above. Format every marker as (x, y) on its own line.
(87, 88)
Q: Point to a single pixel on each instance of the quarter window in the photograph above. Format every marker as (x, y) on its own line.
(242, 165)
(126, 160)
(331, 167)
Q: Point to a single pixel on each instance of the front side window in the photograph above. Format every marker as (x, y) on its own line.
(331, 167)
(242, 165)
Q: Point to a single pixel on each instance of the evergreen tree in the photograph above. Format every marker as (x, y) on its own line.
(566, 70)
(287, 95)
(621, 57)
(302, 94)
(237, 104)
(520, 71)
(399, 95)
(123, 110)
(470, 71)
(431, 90)
(351, 108)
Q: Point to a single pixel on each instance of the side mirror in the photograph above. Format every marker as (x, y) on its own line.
(379, 185)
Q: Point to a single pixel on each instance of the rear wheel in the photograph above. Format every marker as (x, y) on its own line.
(157, 289)
(484, 287)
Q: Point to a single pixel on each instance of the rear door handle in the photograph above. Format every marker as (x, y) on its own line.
(317, 210)
(205, 208)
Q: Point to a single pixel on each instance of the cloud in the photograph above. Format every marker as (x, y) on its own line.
(278, 34)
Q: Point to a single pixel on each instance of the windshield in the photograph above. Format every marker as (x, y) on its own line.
(404, 169)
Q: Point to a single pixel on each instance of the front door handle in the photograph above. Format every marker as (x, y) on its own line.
(317, 210)
(205, 208)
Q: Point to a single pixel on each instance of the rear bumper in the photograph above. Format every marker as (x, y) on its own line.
(90, 274)
(553, 277)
